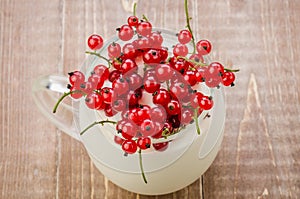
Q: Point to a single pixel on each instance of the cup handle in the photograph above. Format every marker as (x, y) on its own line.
(45, 91)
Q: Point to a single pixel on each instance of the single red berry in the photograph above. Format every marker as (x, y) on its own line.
(125, 32)
(161, 97)
(120, 86)
(133, 21)
(144, 28)
(102, 71)
(173, 107)
(190, 77)
(179, 89)
(206, 103)
(114, 50)
(128, 130)
(228, 78)
(158, 114)
(94, 100)
(96, 81)
(134, 80)
(113, 75)
(180, 50)
(162, 146)
(144, 143)
(95, 42)
(109, 111)
(148, 128)
(157, 39)
(107, 93)
(184, 36)
(119, 105)
(195, 99)
(187, 116)
(129, 146)
(163, 51)
(76, 78)
(151, 84)
(163, 72)
(152, 57)
(76, 92)
(128, 66)
(203, 47)
(129, 51)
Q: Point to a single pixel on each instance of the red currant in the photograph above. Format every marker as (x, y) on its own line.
(76, 78)
(148, 128)
(228, 78)
(107, 93)
(173, 107)
(187, 116)
(125, 32)
(129, 146)
(184, 36)
(180, 50)
(144, 28)
(206, 103)
(161, 97)
(144, 143)
(95, 42)
(133, 21)
(94, 100)
(203, 47)
(163, 72)
(120, 86)
(114, 50)
(162, 146)
(151, 84)
(102, 71)
(129, 51)
(128, 66)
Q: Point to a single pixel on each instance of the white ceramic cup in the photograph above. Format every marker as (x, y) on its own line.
(187, 157)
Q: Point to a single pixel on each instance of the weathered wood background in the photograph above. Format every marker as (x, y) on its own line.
(260, 155)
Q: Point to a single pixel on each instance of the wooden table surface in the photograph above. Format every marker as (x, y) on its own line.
(260, 154)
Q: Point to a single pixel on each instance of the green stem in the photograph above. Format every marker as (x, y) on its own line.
(62, 97)
(231, 70)
(95, 123)
(134, 9)
(100, 56)
(141, 166)
(188, 18)
(145, 18)
(196, 121)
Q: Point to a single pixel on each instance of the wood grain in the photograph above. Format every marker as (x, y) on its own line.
(259, 157)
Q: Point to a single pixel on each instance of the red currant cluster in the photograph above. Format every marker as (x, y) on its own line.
(157, 92)
(171, 80)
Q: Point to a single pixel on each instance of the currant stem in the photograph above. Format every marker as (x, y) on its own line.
(98, 55)
(188, 18)
(231, 70)
(95, 123)
(145, 18)
(62, 97)
(196, 121)
(134, 9)
(141, 166)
